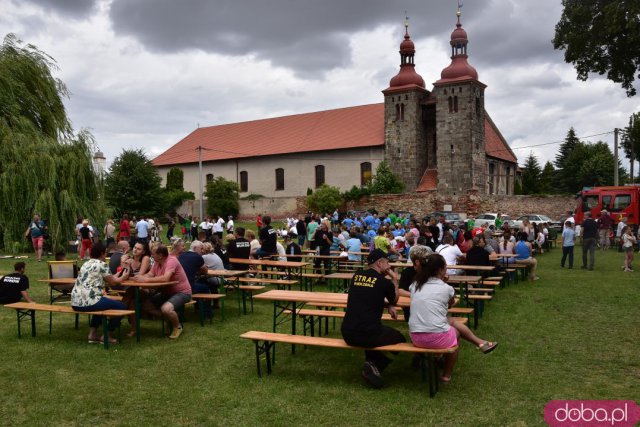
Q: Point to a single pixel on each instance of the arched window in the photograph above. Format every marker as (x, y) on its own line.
(397, 112)
(492, 178)
(455, 104)
(209, 177)
(319, 175)
(365, 173)
(244, 181)
(451, 104)
(279, 179)
(402, 112)
(508, 190)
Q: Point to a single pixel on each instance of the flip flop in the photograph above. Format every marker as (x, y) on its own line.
(445, 380)
(487, 347)
(94, 341)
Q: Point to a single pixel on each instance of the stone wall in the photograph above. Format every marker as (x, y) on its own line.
(473, 203)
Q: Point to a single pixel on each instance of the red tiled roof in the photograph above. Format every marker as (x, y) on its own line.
(495, 144)
(353, 127)
(429, 181)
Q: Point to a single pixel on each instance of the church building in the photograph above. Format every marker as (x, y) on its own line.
(440, 140)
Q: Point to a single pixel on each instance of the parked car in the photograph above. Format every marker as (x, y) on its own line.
(450, 217)
(490, 219)
(538, 219)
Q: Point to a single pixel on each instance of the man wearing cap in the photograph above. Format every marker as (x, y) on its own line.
(362, 324)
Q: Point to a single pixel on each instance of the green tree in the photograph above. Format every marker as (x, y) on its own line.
(44, 166)
(631, 141)
(531, 175)
(601, 36)
(593, 164)
(565, 175)
(175, 179)
(222, 197)
(547, 178)
(385, 182)
(133, 185)
(325, 199)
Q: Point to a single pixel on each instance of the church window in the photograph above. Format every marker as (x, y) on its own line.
(397, 112)
(460, 89)
(209, 177)
(451, 104)
(365, 173)
(244, 181)
(445, 91)
(402, 112)
(319, 175)
(406, 97)
(279, 179)
(508, 180)
(455, 104)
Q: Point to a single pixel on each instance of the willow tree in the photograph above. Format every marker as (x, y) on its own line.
(44, 166)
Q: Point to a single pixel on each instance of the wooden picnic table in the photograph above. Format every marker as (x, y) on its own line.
(344, 277)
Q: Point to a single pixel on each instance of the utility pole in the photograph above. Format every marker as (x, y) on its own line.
(615, 156)
(201, 193)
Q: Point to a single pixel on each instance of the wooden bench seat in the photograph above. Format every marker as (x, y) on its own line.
(268, 339)
(280, 283)
(208, 298)
(28, 309)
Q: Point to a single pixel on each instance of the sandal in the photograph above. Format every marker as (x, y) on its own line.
(487, 347)
(445, 380)
(93, 340)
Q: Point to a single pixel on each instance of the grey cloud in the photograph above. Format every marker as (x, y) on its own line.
(304, 35)
(74, 8)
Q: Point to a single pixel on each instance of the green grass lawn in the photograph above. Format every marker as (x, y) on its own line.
(571, 335)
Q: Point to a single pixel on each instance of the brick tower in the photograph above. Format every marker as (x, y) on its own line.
(404, 128)
(460, 118)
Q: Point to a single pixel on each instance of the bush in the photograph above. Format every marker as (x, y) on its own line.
(325, 199)
(385, 181)
(355, 193)
(222, 197)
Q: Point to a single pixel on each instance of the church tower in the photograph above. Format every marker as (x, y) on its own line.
(460, 118)
(404, 129)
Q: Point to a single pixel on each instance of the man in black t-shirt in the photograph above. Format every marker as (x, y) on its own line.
(239, 248)
(268, 239)
(362, 325)
(13, 287)
(301, 229)
(324, 239)
(589, 238)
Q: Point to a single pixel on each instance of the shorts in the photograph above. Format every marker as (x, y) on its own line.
(435, 340)
(177, 300)
(37, 242)
(627, 248)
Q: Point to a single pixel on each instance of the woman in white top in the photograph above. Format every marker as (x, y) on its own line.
(429, 325)
(628, 240)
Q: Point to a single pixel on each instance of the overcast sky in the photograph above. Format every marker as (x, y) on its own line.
(145, 73)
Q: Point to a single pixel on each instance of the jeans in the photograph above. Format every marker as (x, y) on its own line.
(386, 336)
(104, 304)
(588, 245)
(301, 239)
(567, 251)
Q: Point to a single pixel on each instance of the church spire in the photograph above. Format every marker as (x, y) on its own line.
(459, 69)
(407, 75)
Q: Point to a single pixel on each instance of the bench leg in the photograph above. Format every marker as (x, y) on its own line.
(201, 312)
(105, 332)
(33, 323)
(265, 349)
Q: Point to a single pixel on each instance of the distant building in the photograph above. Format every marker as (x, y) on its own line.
(440, 140)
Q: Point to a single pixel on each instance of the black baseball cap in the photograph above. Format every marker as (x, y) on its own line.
(375, 255)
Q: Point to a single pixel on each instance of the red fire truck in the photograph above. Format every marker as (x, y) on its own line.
(620, 202)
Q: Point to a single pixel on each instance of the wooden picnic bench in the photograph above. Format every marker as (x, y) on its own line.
(206, 299)
(265, 343)
(309, 316)
(28, 310)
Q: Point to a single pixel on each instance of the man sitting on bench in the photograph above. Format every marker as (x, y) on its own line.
(13, 287)
(362, 325)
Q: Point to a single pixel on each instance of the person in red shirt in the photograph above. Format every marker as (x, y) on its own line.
(167, 268)
(259, 221)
